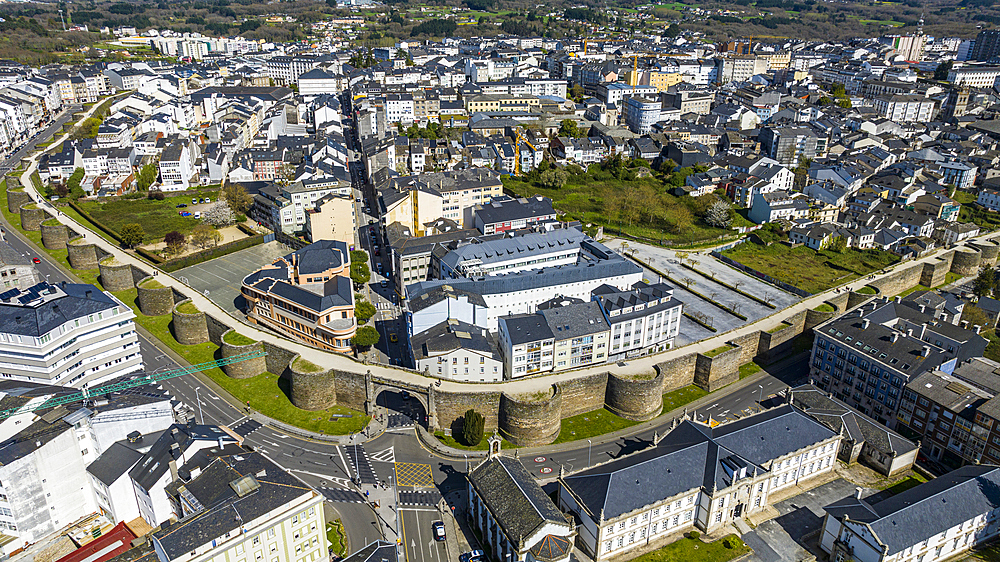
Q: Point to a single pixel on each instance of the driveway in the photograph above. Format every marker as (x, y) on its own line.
(784, 537)
(220, 279)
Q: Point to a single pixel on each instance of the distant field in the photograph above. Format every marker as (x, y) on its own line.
(156, 217)
(810, 270)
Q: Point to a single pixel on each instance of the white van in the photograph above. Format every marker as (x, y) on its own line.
(197, 214)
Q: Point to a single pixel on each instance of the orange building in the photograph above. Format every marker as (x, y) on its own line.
(306, 295)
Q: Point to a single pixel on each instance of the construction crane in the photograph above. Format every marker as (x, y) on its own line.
(518, 139)
(143, 380)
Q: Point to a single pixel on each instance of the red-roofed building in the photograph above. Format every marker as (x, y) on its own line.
(105, 547)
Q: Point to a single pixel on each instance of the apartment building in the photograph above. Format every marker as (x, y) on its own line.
(414, 201)
(16, 271)
(554, 339)
(905, 108)
(177, 170)
(458, 351)
(67, 334)
(332, 218)
(306, 295)
(694, 477)
(644, 319)
(505, 213)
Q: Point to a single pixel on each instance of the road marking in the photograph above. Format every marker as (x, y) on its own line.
(423, 509)
(414, 474)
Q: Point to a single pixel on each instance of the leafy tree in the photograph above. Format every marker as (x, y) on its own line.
(824, 101)
(576, 92)
(838, 244)
(147, 176)
(472, 428)
(204, 236)
(174, 241)
(986, 283)
(237, 197)
(553, 178)
(673, 30)
(359, 256)
(838, 91)
(436, 27)
(845, 103)
(219, 214)
(132, 235)
(942, 70)
(668, 166)
(73, 184)
(719, 215)
(360, 273)
(363, 311)
(365, 337)
(569, 128)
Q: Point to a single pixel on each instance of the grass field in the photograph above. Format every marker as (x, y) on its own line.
(682, 396)
(591, 424)
(987, 220)
(808, 269)
(694, 550)
(482, 446)
(156, 217)
(905, 484)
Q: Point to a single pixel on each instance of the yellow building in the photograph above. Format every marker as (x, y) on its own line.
(333, 218)
(501, 103)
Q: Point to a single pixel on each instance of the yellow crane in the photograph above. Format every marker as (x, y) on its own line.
(518, 139)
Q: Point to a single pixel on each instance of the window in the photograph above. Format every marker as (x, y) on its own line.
(718, 517)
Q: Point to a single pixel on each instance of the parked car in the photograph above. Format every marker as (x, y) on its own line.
(182, 205)
(438, 528)
(197, 214)
(194, 200)
(471, 555)
(208, 199)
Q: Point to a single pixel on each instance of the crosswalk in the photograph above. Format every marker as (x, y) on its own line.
(246, 427)
(382, 305)
(419, 497)
(360, 464)
(341, 495)
(387, 455)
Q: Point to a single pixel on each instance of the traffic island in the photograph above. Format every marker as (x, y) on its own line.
(190, 324)
(235, 343)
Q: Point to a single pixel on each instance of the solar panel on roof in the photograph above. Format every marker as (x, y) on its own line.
(9, 294)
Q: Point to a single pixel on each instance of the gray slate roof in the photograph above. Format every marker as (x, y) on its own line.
(37, 320)
(517, 502)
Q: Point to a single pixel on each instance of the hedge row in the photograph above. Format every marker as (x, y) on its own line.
(211, 253)
(151, 257)
(104, 228)
(246, 229)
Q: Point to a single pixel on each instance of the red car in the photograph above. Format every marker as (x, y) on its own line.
(36, 260)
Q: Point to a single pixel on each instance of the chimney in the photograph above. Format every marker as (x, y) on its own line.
(173, 469)
(865, 323)
(895, 337)
(925, 351)
(909, 332)
(923, 309)
(88, 294)
(965, 324)
(977, 328)
(857, 493)
(899, 299)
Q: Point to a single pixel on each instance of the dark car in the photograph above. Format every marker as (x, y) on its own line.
(437, 528)
(181, 206)
(471, 555)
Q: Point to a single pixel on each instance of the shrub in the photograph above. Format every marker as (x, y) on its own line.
(156, 195)
(472, 428)
(729, 542)
(693, 534)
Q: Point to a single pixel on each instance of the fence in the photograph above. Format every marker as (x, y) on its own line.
(290, 241)
(762, 276)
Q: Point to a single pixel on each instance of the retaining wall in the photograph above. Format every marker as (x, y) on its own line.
(988, 249)
(450, 408)
(713, 373)
(32, 216)
(966, 261)
(312, 391)
(54, 236)
(15, 198)
(678, 372)
(81, 254)
(154, 301)
(242, 369)
(898, 281)
(584, 394)
(116, 276)
(189, 329)
(637, 398)
(528, 421)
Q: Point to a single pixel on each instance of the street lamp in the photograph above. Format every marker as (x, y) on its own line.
(589, 445)
(198, 399)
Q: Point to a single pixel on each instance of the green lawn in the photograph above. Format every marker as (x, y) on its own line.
(748, 369)
(337, 537)
(905, 484)
(808, 269)
(306, 366)
(482, 446)
(825, 308)
(187, 308)
(964, 197)
(866, 290)
(694, 550)
(156, 217)
(591, 424)
(236, 338)
(678, 398)
(718, 351)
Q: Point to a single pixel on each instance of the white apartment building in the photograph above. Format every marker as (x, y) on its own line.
(512, 255)
(974, 76)
(905, 108)
(399, 108)
(652, 500)
(457, 351)
(554, 339)
(934, 521)
(68, 334)
(644, 319)
(177, 170)
(278, 517)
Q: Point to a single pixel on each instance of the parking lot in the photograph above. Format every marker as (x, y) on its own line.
(220, 279)
(785, 537)
(667, 261)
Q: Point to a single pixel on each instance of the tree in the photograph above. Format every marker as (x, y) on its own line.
(219, 215)
(472, 428)
(360, 273)
(174, 241)
(359, 256)
(985, 283)
(569, 128)
(132, 235)
(204, 236)
(943, 69)
(147, 176)
(576, 92)
(237, 197)
(73, 184)
(365, 337)
(363, 311)
(719, 215)
(673, 30)
(838, 244)
(553, 178)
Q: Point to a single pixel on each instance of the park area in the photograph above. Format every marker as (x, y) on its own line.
(808, 269)
(156, 217)
(627, 196)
